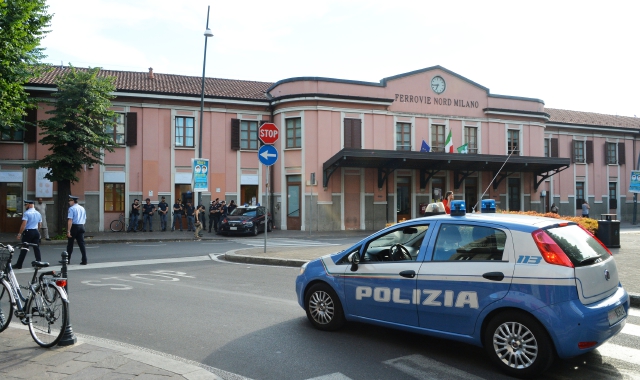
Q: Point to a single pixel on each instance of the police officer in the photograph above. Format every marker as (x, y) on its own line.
(31, 222)
(147, 213)
(163, 209)
(76, 218)
(212, 208)
(177, 215)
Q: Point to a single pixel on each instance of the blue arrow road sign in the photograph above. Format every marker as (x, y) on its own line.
(268, 155)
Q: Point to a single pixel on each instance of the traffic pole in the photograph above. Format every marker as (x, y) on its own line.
(266, 213)
(67, 338)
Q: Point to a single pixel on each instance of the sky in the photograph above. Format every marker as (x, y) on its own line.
(574, 55)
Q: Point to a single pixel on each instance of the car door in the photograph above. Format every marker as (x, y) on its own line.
(468, 266)
(382, 286)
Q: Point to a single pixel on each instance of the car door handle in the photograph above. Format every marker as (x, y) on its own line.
(494, 276)
(408, 273)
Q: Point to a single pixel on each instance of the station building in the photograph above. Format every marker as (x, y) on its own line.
(349, 151)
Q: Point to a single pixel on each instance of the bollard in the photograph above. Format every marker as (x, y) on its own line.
(67, 338)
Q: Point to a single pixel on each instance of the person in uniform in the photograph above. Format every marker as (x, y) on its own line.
(163, 209)
(189, 210)
(216, 214)
(31, 221)
(133, 216)
(232, 206)
(177, 215)
(212, 208)
(147, 213)
(76, 218)
(42, 209)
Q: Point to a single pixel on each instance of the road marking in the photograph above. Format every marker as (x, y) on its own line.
(332, 376)
(134, 263)
(627, 354)
(147, 245)
(631, 329)
(421, 367)
(634, 312)
(282, 242)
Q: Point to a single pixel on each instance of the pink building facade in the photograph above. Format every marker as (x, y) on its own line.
(349, 151)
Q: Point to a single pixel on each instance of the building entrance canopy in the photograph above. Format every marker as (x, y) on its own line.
(429, 164)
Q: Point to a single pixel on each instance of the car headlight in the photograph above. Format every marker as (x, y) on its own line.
(249, 224)
(303, 267)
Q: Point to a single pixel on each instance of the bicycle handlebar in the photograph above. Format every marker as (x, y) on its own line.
(25, 244)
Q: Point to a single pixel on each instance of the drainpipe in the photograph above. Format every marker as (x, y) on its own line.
(635, 195)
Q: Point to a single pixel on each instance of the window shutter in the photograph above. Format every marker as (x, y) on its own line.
(235, 134)
(573, 151)
(260, 123)
(621, 154)
(31, 125)
(356, 127)
(131, 139)
(348, 132)
(606, 154)
(554, 147)
(589, 151)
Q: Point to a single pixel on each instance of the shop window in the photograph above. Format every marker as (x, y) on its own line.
(353, 133)
(114, 197)
(471, 139)
(578, 151)
(437, 138)
(294, 133)
(249, 134)
(185, 131)
(513, 141)
(611, 153)
(403, 136)
(613, 195)
(116, 129)
(579, 195)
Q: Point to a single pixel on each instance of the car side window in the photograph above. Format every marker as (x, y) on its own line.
(400, 244)
(457, 242)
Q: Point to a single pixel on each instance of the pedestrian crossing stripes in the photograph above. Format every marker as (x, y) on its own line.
(282, 242)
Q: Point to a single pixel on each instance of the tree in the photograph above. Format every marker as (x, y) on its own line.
(76, 133)
(22, 24)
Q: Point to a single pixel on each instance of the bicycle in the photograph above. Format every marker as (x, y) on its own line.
(45, 308)
(122, 223)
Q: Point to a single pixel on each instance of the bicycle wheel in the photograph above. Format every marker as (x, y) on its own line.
(116, 226)
(6, 305)
(47, 320)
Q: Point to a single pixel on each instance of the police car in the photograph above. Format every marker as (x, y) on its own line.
(525, 288)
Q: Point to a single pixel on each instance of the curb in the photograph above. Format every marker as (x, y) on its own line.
(233, 257)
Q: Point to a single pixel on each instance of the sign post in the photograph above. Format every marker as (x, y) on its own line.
(268, 133)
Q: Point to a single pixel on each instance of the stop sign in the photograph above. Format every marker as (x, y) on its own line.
(268, 133)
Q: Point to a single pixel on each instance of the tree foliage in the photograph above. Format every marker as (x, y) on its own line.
(22, 27)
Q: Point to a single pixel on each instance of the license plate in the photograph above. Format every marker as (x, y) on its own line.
(233, 228)
(616, 314)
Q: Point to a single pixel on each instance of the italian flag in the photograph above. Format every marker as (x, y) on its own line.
(448, 145)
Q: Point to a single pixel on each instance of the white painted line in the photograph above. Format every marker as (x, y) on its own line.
(627, 354)
(634, 312)
(422, 367)
(147, 245)
(127, 263)
(631, 329)
(332, 376)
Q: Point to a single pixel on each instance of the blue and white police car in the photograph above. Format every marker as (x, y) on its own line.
(525, 288)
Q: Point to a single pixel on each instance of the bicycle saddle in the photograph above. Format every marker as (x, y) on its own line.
(39, 264)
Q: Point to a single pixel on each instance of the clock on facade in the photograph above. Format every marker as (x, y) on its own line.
(438, 85)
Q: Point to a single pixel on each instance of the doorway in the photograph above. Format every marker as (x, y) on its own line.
(11, 206)
(294, 220)
(184, 193)
(403, 198)
(470, 193)
(514, 194)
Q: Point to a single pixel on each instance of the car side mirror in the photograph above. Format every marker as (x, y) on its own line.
(354, 259)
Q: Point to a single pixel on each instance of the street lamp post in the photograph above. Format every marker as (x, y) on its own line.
(207, 33)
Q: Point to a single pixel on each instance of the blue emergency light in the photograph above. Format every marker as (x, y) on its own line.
(458, 208)
(488, 206)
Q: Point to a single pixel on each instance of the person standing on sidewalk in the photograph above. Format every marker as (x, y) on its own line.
(76, 219)
(212, 208)
(133, 216)
(42, 209)
(163, 209)
(31, 221)
(585, 209)
(147, 213)
(189, 210)
(198, 227)
(177, 215)
(216, 214)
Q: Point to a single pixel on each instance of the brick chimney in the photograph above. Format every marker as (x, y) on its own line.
(150, 72)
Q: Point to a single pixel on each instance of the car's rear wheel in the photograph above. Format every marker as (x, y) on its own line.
(254, 230)
(323, 308)
(518, 344)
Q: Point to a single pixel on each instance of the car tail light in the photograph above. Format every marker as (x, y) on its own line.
(598, 240)
(61, 283)
(585, 345)
(550, 250)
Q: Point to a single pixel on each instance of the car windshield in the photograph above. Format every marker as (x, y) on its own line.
(581, 248)
(244, 212)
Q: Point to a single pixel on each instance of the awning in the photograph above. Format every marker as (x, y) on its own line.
(429, 164)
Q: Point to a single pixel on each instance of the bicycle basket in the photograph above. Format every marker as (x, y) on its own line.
(5, 256)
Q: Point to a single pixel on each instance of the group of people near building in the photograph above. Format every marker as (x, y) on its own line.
(196, 216)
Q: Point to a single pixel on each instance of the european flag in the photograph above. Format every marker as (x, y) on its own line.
(425, 147)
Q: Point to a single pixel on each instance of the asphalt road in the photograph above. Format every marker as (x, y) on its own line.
(244, 319)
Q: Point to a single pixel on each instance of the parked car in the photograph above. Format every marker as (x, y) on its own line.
(246, 220)
(525, 288)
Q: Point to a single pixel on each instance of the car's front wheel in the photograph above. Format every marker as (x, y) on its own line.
(323, 308)
(518, 344)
